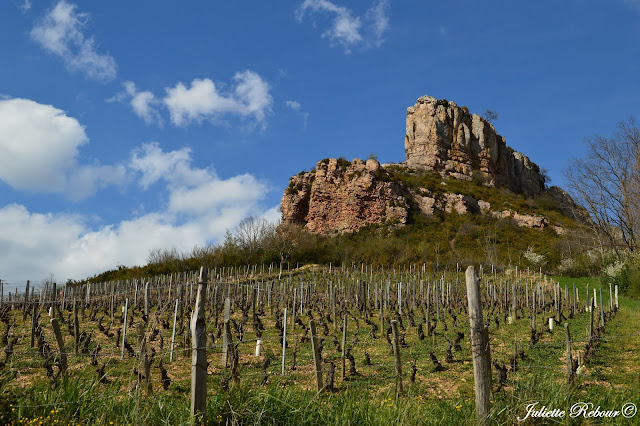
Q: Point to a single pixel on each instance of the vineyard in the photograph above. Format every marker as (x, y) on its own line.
(316, 345)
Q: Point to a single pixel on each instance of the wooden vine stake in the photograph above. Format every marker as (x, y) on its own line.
(146, 299)
(226, 343)
(284, 337)
(144, 357)
(124, 327)
(63, 352)
(199, 345)
(344, 345)
(570, 376)
(34, 322)
(480, 347)
(76, 327)
(317, 357)
(396, 357)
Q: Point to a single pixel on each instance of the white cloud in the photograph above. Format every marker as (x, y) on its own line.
(37, 143)
(152, 164)
(346, 29)
(25, 6)
(197, 102)
(378, 15)
(273, 215)
(144, 104)
(294, 105)
(192, 190)
(84, 180)
(203, 100)
(59, 32)
(200, 210)
(216, 194)
(30, 243)
(38, 149)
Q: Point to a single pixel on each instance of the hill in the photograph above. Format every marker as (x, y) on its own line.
(460, 185)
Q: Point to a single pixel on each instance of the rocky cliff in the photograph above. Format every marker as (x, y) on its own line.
(342, 196)
(443, 141)
(446, 138)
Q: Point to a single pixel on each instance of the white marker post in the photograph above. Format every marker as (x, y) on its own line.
(173, 334)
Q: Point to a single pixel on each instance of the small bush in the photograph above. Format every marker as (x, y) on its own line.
(478, 177)
(343, 163)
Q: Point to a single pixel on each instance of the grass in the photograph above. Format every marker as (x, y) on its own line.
(610, 380)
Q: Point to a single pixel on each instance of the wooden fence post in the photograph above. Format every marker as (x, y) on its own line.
(569, 360)
(146, 299)
(26, 298)
(34, 315)
(113, 302)
(76, 326)
(52, 306)
(396, 356)
(514, 301)
(344, 344)
(480, 347)
(284, 334)
(63, 352)
(533, 312)
(333, 307)
(124, 331)
(146, 365)
(226, 332)
(601, 308)
(382, 330)
(317, 361)
(199, 345)
(591, 308)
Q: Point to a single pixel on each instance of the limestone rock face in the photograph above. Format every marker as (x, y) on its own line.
(339, 196)
(342, 197)
(429, 203)
(524, 220)
(446, 138)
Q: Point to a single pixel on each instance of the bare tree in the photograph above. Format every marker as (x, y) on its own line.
(251, 233)
(607, 183)
(286, 237)
(51, 278)
(490, 115)
(161, 256)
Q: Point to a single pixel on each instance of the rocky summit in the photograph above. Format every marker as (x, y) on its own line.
(446, 138)
(443, 142)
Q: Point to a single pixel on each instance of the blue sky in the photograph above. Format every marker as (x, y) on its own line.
(129, 126)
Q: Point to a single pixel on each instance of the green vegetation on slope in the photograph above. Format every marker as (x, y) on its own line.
(439, 241)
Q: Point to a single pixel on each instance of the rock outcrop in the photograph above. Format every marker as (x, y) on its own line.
(342, 196)
(446, 138)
